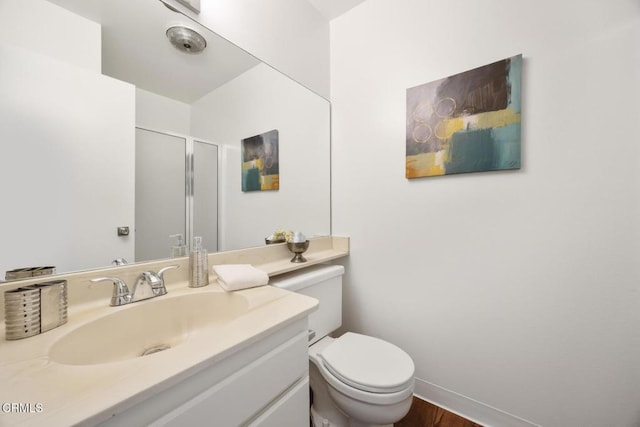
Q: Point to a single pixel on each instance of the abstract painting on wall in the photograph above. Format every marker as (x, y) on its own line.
(468, 122)
(260, 167)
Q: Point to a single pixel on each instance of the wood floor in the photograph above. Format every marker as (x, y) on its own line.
(424, 414)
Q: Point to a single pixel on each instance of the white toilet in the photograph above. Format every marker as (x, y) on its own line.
(356, 380)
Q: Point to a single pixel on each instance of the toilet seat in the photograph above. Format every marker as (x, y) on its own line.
(359, 348)
(361, 395)
(368, 364)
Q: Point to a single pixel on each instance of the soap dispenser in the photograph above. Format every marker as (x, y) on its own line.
(198, 265)
(179, 249)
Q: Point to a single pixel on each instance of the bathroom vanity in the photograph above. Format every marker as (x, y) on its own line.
(265, 384)
(190, 357)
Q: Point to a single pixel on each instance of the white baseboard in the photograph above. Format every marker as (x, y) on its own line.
(466, 407)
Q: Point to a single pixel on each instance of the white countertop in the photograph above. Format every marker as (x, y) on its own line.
(61, 394)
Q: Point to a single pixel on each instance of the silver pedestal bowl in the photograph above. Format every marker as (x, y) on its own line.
(298, 248)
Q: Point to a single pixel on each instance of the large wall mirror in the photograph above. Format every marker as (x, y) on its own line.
(105, 124)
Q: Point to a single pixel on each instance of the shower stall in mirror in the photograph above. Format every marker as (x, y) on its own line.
(176, 187)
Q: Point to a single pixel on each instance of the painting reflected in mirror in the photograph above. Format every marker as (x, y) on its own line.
(260, 166)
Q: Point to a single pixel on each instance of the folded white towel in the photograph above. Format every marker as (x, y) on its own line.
(233, 277)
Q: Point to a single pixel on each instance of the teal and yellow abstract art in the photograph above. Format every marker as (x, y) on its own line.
(468, 122)
(260, 165)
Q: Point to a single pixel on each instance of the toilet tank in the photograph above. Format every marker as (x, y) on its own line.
(324, 283)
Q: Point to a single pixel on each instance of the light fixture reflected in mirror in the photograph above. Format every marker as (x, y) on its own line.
(186, 40)
(193, 5)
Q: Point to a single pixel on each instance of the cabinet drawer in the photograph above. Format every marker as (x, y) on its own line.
(248, 391)
(290, 410)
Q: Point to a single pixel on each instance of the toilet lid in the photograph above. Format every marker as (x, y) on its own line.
(368, 363)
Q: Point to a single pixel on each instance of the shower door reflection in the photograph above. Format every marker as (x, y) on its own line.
(161, 207)
(176, 193)
(205, 194)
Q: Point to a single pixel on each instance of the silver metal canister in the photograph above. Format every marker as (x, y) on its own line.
(198, 269)
(27, 272)
(33, 309)
(53, 304)
(22, 312)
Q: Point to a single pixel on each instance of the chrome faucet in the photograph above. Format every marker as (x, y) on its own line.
(156, 280)
(121, 294)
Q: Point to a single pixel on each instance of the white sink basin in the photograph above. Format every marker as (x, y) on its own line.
(147, 327)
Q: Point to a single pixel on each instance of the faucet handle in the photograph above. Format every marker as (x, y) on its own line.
(121, 295)
(162, 290)
(170, 267)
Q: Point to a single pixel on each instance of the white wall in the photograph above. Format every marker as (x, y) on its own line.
(51, 30)
(66, 164)
(252, 104)
(517, 290)
(66, 135)
(290, 35)
(159, 113)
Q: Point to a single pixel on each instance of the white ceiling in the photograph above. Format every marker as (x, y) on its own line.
(135, 49)
(333, 8)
